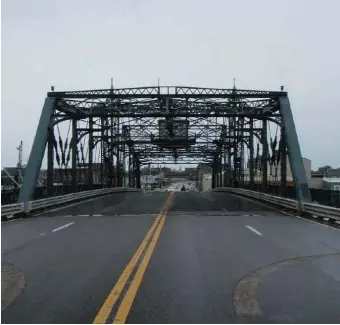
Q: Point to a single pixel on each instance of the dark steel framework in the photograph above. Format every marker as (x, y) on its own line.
(225, 127)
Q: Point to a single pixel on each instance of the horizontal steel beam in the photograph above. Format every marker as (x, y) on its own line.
(167, 92)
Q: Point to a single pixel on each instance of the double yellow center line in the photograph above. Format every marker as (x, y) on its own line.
(151, 238)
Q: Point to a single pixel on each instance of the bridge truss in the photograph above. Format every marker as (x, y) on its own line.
(99, 136)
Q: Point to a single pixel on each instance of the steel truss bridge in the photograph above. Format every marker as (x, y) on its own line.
(122, 255)
(99, 136)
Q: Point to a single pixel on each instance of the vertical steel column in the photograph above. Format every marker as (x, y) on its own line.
(138, 185)
(235, 161)
(134, 171)
(229, 165)
(37, 153)
(225, 169)
(129, 168)
(225, 165)
(118, 169)
(50, 161)
(74, 155)
(283, 171)
(251, 154)
(102, 153)
(264, 160)
(220, 183)
(229, 153)
(213, 174)
(91, 147)
(294, 152)
(111, 153)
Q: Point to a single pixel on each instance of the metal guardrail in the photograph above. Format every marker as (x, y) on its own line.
(315, 210)
(9, 211)
(12, 209)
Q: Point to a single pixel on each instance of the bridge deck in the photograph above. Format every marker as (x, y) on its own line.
(218, 259)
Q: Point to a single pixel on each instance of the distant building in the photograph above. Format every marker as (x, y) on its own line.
(274, 170)
(204, 168)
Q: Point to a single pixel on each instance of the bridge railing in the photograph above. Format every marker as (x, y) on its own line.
(11, 210)
(319, 196)
(10, 196)
(331, 214)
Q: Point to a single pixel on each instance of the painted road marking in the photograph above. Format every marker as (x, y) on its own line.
(108, 208)
(284, 212)
(62, 227)
(125, 306)
(117, 290)
(254, 230)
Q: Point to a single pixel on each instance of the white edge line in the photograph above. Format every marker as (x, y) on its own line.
(62, 227)
(108, 208)
(254, 230)
(284, 212)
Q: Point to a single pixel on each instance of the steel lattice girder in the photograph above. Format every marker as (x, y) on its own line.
(165, 101)
(140, 108)
(169, 91)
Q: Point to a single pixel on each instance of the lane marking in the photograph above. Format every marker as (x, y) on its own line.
(125, 306)
(254, 230)
(62, 227)
(113, 296)
(117, 290)
(108, 208)
(283, 212)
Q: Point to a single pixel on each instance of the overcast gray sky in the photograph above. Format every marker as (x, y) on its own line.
(77, 45)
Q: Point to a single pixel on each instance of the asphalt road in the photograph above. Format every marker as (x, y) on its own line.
(210, 258)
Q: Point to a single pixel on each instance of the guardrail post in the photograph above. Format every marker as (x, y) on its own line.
(300, 207)
(26, 206)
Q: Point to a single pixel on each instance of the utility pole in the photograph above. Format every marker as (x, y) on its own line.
(19, 164)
